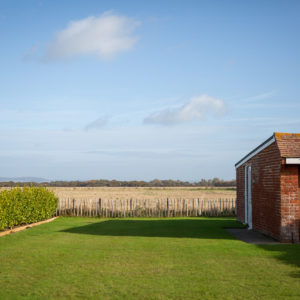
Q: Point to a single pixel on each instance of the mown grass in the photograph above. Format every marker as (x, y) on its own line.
(180, 258)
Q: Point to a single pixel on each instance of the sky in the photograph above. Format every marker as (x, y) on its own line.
(137, 90)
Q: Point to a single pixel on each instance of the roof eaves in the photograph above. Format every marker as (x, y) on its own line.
(259, 148)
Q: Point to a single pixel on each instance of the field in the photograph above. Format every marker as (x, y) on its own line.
(178, 258)
(94, 193)
(153, 202)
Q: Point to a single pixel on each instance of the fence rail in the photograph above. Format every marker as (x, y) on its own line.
(124, 208)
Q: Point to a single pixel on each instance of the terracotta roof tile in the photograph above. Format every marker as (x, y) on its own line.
(288, 144)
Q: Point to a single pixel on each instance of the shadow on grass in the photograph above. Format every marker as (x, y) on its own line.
(185, 228)
(286, 253)
(172, 228)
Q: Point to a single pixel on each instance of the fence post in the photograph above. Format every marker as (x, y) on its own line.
(193, 211)
(130, 208)
(187, 208)
(174, 208)
(201, 207)
(116, 208)
(121, 209)
(168, 210)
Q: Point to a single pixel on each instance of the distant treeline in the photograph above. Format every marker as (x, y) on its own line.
(215, 182)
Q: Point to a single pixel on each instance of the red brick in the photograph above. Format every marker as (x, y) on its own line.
(275, 190)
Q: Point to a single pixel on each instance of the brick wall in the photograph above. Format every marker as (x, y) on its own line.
(290, 203)
(266, 208)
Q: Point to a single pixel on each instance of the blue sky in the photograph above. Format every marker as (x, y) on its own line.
(144, 89)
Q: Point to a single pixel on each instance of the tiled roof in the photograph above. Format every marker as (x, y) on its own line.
(288, 144)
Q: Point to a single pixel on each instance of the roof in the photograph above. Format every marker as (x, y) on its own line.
(288, 145)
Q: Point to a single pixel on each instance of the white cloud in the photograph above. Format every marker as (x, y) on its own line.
(198, 108)
(262, 96)
(97, 124)
(104, 36)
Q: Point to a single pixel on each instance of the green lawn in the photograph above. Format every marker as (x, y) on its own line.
(180, 258)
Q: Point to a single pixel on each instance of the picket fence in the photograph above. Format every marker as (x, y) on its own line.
(123, 208)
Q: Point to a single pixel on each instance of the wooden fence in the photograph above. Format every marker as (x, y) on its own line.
(123, 208)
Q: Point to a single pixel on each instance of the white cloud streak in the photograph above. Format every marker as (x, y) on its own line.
(262, 96)
(104, 37)
(198, 108)
(97, 124)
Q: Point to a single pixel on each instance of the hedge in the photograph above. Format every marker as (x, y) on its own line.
(26, 205)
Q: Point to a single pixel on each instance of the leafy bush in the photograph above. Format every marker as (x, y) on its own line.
(26, 205)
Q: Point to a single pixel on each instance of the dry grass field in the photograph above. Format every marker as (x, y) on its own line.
(147, 193)
(142, 193)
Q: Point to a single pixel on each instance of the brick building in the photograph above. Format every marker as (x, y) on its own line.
(268, 187)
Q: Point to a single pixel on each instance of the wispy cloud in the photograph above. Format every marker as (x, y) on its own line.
(197, 108)
(43, 119)
(31, 54)
(97, 124)
(261, 96)
(147, 153)
(104, 36)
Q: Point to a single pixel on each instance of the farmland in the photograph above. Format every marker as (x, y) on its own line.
(94, 193)
(153, 202)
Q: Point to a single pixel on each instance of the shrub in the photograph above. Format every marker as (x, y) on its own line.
(26, 205)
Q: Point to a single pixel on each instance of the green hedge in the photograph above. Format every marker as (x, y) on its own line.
(26, 205)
